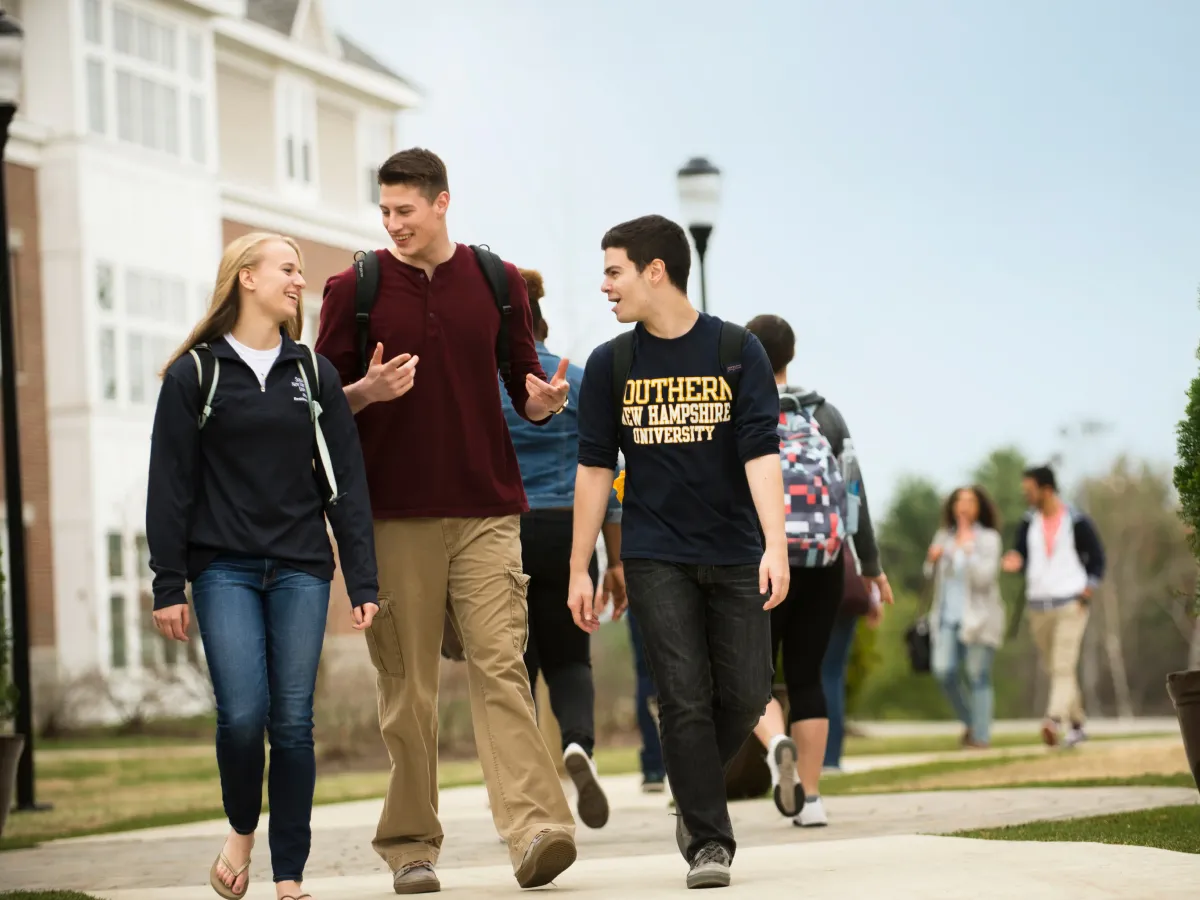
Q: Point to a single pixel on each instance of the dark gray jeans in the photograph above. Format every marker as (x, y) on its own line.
(708, 643)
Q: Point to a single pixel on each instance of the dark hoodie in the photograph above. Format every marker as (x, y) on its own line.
(246, 484)
(834, 427)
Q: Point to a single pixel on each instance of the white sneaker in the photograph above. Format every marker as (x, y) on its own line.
(812, 815)
(785, 784)
(592, 804)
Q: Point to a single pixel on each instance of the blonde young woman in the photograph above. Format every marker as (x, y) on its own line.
(967, 615)
(253, 445)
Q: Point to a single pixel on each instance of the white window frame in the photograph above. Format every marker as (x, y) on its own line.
(374, 140)
(296, 127)
(107, 319)
(171, 74)
(152, 306)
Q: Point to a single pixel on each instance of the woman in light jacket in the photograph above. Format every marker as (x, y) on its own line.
(967, 616)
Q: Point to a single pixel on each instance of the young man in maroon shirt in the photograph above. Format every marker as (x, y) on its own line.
(446, 494)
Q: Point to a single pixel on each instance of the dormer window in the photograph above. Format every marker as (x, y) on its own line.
(297, 117)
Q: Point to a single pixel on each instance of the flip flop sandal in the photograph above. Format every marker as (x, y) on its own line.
(295, 897)
(220, 886)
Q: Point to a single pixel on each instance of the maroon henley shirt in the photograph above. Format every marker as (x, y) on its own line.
(443, 449)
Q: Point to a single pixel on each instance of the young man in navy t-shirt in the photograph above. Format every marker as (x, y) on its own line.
(702, 477)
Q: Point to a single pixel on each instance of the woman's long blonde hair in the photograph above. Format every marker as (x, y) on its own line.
(226, 304)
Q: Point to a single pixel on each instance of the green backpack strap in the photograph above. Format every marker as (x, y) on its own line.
(206, 410)
(314, 412)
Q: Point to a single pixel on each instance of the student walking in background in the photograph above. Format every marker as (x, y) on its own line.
(859, 601)
(1060, 552)
(802, 626)
(561, 652)
(236, 504)
(967, 614)
(654, 770)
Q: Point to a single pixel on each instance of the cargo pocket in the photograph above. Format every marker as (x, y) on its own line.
(383, 640)
(518, 602)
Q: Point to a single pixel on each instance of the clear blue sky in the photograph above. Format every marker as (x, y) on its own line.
(980, 218)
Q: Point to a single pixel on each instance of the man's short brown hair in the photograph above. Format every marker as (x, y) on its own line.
(653, 237)
(423, 169)
(777, 338)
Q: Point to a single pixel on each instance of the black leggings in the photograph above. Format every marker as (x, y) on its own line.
(802, 624)
(558, 648)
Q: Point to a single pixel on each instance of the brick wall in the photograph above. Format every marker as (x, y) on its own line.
(21, 186)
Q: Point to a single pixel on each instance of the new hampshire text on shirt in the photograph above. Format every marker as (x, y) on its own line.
(677, 410)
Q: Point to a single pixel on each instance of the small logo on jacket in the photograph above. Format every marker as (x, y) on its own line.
(301, 393)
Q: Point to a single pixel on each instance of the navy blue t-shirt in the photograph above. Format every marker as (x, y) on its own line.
(686, 440)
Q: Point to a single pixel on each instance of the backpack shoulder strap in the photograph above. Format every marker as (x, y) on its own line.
(366, 286)
(622, 346)
(314, 412)
(206, 406)
(497, 279)
(729, 351)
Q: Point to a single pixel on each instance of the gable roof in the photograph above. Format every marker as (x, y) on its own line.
(280, 16)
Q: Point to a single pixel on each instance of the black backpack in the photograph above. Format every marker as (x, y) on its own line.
(729, 353)
(366, 286)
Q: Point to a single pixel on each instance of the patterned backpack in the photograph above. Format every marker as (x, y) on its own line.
(814, 491)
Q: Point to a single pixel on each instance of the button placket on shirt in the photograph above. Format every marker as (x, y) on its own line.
(432, 329)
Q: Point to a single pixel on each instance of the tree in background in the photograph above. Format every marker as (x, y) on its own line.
(1187, 483)
(1141, 629)
(905, 532)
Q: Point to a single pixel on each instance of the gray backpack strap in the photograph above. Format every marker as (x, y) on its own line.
(314, 411)
(206, 410)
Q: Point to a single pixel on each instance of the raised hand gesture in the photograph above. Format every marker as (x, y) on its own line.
(544, 398)
(388, 380)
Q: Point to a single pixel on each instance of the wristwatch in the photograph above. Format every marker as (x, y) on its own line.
(555, 412)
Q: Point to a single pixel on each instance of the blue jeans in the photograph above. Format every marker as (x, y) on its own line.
(708, 643)
(951, 660)
(653, 768)
(833, 679)
(262, 625)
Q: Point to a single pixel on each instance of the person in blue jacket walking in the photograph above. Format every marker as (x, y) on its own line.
(560, 651)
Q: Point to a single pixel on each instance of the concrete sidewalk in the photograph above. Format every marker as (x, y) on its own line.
(637, 844)
(896, 868)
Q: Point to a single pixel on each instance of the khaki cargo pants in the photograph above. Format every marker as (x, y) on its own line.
(1058, 634)
(475, 565)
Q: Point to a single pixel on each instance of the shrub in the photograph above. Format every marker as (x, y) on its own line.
(1187, 474)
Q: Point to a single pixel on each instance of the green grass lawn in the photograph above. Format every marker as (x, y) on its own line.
(891, 780)
(1167, 828)
(44, 895)
(869, 746)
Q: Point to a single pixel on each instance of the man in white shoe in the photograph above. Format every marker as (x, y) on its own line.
(1059, 551)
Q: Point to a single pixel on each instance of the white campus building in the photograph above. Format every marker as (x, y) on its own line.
(156, 131)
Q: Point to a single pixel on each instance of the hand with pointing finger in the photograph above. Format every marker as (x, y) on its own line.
(545, 399)
(388, 380)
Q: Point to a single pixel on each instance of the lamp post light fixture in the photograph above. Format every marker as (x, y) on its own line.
(699, 185)
(11, 47)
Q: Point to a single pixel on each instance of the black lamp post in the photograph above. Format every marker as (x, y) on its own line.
(11, 45)
(699, 185)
